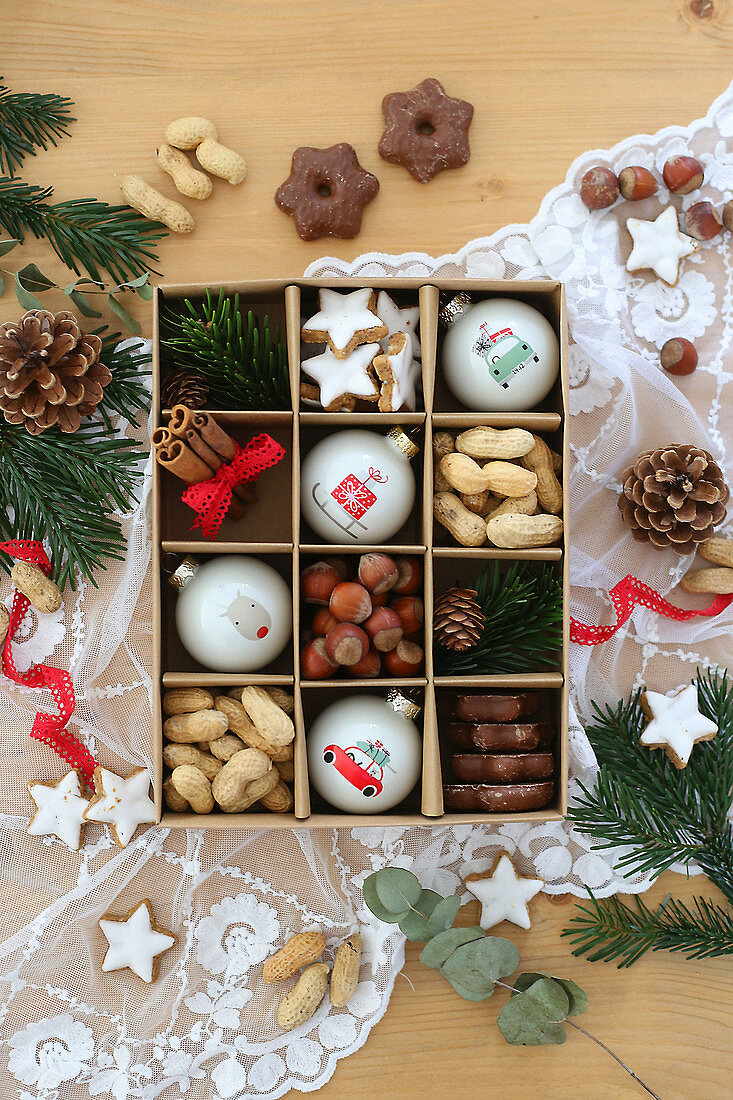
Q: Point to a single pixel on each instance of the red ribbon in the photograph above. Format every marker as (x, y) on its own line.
(625, 596)
(48, 728)
(211, 499)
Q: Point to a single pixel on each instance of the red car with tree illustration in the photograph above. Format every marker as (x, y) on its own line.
(363, 765)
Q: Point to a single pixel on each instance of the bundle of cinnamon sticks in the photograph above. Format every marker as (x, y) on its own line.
(193, 446)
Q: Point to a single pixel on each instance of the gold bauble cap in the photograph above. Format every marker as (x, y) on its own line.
(402, 704)
(401, 440)
(454, 309)
(184, 573)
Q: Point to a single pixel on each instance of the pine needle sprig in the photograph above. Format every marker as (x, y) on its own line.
(127, 394)
(523, 627)
(29, 121)
(614, 931)
(243, 361)
(61, 488)
(659, 816)
(84, 233)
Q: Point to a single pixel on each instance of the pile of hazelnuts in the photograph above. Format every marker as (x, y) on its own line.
(682, 174)
(367, 623)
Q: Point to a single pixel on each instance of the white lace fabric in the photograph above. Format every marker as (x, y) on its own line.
(206, 1029)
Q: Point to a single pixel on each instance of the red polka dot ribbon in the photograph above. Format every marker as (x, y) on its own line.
(48, 728)
(625, 596)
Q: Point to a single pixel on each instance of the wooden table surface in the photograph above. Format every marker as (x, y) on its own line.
(548, 80)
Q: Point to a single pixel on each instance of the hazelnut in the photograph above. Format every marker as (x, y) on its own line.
(728, 215)
(636, 183)
(347, 644)
(339, 564)
(350, 602)
(368, 668)
(378, 572)
(384, 627)
(315, 664)
(410, 576)
(683, 174)
(702, 221)
(678, 356)
(411, 612)
(323, 621)
(404, 660)
(382, 599)
(318, 581)
(599, 188)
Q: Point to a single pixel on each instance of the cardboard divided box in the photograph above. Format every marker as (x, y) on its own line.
(272, 529)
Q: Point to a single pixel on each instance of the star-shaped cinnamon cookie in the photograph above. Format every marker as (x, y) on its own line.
(504, 894)
(676, 724)
(659, 246)
(122, 803)
(425, 130)
(60, 810)
(326, 192)
(398, 372)
(136, 942)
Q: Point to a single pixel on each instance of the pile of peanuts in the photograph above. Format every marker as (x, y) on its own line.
(369, 620)
(228, 750)
(303, 950)
(191, 133)
(497, 486)
(718, 580)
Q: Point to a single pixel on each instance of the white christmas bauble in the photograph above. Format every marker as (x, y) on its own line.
(363, 755)
(499, 354)
(234, 613)
(358, 486)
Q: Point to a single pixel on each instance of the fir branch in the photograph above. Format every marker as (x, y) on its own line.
(126, 395)
(523, 627)
(61, 488)
(613, 930)
(28, 121)
(84, 233)
(244, 364)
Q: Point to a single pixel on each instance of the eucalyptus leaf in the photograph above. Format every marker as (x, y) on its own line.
(133, 284)
(535, 1016)
(7, 246)
(82, 303)
(124, 316)
(442, 946)
(577, 997)
(397, 889)
(414, 923)
(83, 282)
(470, 994)
(443, 915)
(2, 286)
(26, 299)
(145, 292)
(477, 965)
(32, 278)
(371, 900)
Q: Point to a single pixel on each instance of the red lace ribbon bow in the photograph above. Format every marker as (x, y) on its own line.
(49, 728)
(211, 499)
(625, 596)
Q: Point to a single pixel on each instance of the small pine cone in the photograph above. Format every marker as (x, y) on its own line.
(184, 387)
(673, 497)
(458, 619)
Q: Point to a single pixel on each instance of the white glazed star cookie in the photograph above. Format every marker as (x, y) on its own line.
(659, 246)
(398, 372)
(122, 803)
(503, 894)
(344, 321)
(399, 320)
(676, 724)
(60, 810)
(135, 942)
(340, 377)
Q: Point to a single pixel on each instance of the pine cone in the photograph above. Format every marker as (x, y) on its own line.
(49, 371)
(184, 387)
(673, 497)
(458, 619)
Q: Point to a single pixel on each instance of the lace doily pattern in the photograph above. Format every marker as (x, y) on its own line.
(207, 1028)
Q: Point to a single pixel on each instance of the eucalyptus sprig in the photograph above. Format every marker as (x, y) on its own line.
(30, 281)
(474, 963)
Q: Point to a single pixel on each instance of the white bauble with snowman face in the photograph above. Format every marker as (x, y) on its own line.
(363, 755)
(234, 614)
